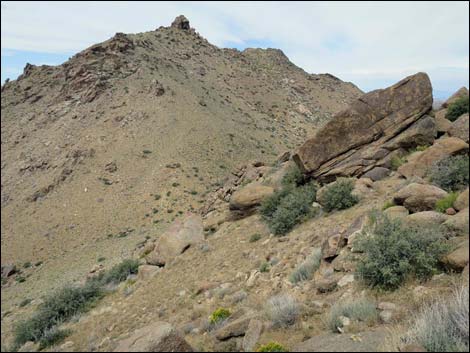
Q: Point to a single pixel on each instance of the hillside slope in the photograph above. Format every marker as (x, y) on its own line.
(132, 132)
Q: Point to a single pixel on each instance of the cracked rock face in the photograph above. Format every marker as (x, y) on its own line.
(361, 137)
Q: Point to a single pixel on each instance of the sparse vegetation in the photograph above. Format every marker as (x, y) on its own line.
(52, 337)
(388, 204)
(65, 303)
(272, 347)
(24, 302)
(264, 267)
(451, 174)
(338, 195)
(283, 310)
(361, 309)
(397, 162)
(443, 204)
(307, 268)
(255, 237)
(288, 207)
(443, 325)
(456, 109)
(394, 253)
(293, 176)
(219, 315)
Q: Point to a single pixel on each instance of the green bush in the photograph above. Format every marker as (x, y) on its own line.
(307, 268)
(288, 207)
(362, 310)
(52, 337)
(219, 315)
(272, 347)
(443, 204)
(255, 237)
(338, 195)
(293, 176)
(451, 174)
(264, 267)
(397, 162)
(394, 252)
(61, 305)
(456, 109)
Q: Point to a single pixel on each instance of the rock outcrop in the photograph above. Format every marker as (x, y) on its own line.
(462, 92)
(361, 137)
(157, 337)
(176, 240)
(460, 128)
(419, 197)
(181, 22)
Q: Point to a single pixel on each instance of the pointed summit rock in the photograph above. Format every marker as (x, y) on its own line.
(181, 22)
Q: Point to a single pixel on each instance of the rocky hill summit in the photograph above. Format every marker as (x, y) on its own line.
(354, 238)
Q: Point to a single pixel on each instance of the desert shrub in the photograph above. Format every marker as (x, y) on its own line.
(119, 272)
(272, 347)
(283, 310)
(452, 173)
(219, 315)
(63, 304)
(307, 268)
(293, 176)
(362, 310)
(393, 253)
(388, 204)
(397, 162)
(442, 326)
(264, 267)
(286, 208)
(24, 302)
(456, 109)
(443, 204)
(52, 337)
(255, 237)
(338, 195)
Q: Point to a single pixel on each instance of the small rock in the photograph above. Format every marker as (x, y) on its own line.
(347, 279)
(450, 211)
(386, 316)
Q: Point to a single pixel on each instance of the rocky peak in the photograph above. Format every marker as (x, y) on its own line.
(181, 22)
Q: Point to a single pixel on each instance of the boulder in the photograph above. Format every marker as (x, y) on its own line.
(377, 173)
(181, 22)
(459, 223)
(157, 337)
(147, 271)
(460, 128)
(352, 142)
(176, 240)
(419, 197)
(426, 218)
(462, 200)
(235, 328)
(442, 123)
(458, 259)
(462, 92)
(396, 212)
(249, 196)
(442, 148)
(420, 133)
(252, 335)
(332, 246)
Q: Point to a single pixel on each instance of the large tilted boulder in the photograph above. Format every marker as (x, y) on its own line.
(361, 137)
(462, 200)
(176, 240)
(419, 197)
(157, 337)
(181, 22)
(441, 149)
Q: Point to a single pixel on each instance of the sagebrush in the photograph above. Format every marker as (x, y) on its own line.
(451, 174)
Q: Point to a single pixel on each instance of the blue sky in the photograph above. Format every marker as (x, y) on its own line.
(371, 44)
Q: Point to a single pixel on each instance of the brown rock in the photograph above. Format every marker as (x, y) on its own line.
(8, 270)
(442, 148)
(147, 271)
(420, 133)
(412, 348)
(157, 337)
(462, 92)
(425, 218)
(250, 196)
(377, 173)
(460, 128)
(450, 211)
(442, 123)
(234, 328)
(458, 259)
(181, 22)
(176, 240)
(462, 200)
(396, 212)
(459, 223)
(332, 246)
(326, 285)
(419, 197)
(252, 335)
(351, 140)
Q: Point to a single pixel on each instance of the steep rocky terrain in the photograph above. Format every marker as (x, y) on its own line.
(163, 126)
(130, 133)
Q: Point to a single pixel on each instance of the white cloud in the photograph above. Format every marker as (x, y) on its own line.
(382, 39)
